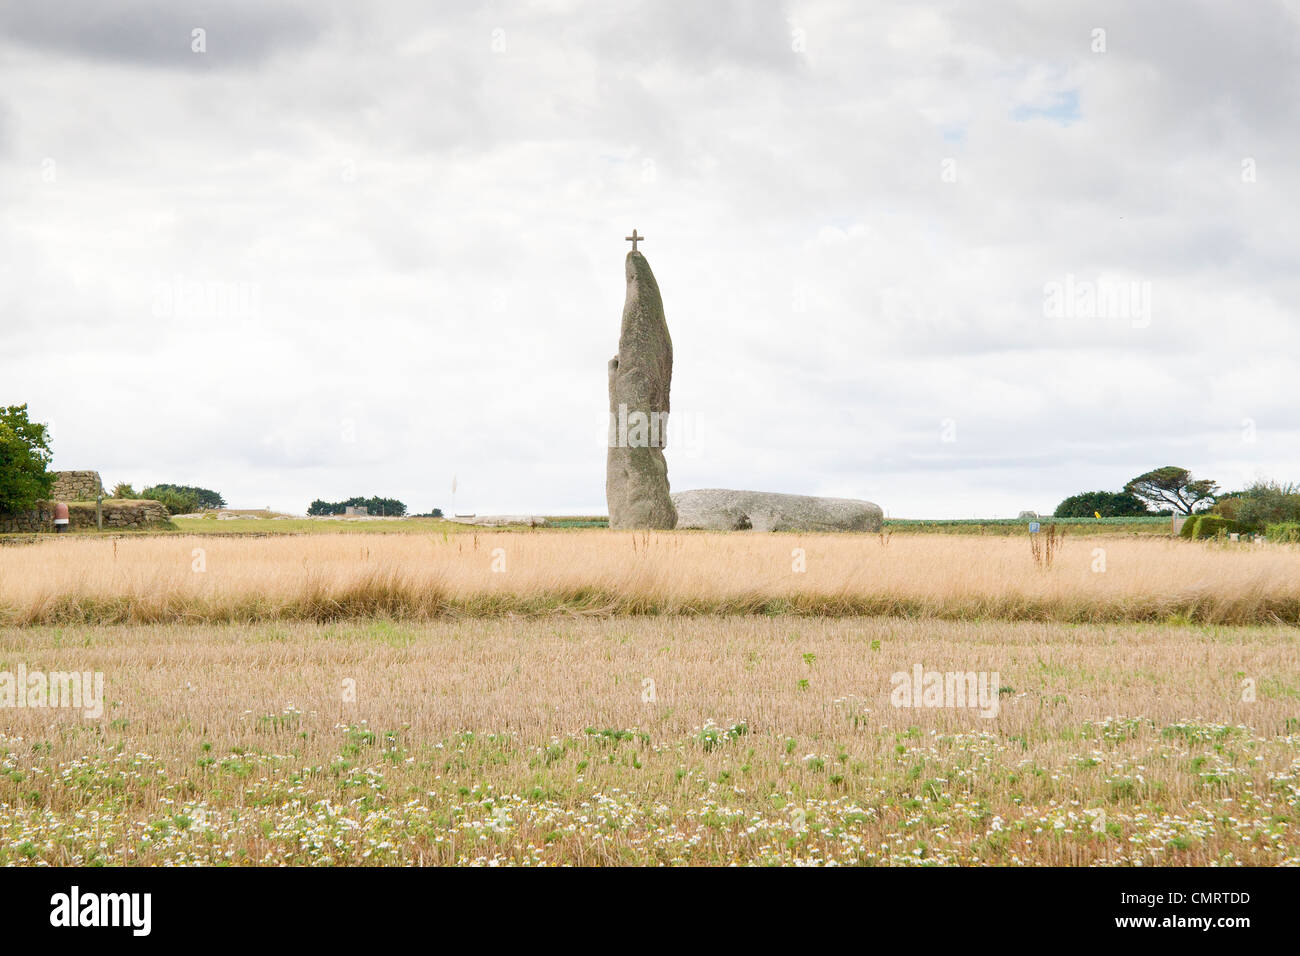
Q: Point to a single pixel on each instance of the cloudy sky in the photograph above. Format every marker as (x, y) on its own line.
(957, 259)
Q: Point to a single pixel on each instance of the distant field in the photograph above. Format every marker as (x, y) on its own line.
(968, 526)
(475, 572)
(651, 741)
(354, 525)
(1010, 526)
(315, 526)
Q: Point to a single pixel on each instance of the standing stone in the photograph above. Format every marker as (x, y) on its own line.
(636, 475)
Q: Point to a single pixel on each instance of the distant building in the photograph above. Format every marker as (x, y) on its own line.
(359, 510)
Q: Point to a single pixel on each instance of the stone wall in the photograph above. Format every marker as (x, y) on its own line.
(76, 486)
(118, 515)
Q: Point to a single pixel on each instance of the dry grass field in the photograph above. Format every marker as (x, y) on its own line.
(588, 697)
(709, 740)
(146, 580)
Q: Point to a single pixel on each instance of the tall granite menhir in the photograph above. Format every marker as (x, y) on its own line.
(636, 475)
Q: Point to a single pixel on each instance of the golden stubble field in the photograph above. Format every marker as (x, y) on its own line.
(326, 577)
(654, 740)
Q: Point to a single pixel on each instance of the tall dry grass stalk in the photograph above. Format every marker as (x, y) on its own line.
(1044, 546)
(329, 577)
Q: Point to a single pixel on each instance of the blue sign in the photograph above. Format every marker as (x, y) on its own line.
(1033, 527)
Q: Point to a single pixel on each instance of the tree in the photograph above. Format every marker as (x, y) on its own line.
(175, 500)
(1109, 504)
(203, 497)
(1175, 488)
(389, 507)
(124, 490)
(24, 460)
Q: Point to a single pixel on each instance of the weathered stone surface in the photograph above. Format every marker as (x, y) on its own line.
(640, 375)
(76, 486)
(720, 509)
(118, 513)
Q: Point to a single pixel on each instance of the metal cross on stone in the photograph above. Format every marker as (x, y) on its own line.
(634, 239)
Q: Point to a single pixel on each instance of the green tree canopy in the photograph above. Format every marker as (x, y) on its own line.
(203, 497)
(1173, 487)
(376, 506)
(24, 460)
(1109, 504)
(1261, 504)
(176, 501)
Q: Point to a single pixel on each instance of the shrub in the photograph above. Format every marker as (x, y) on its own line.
(175, 501)
(1228, 505)
(1266, 503)
(1286, 532)
(1109, 504)
(1212, 526)
(204, 497)
(124, 490)
(1188, 529)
